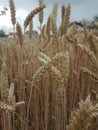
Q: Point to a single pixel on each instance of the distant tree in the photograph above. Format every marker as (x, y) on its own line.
(2, 33)
(95, 19)
(91, 24)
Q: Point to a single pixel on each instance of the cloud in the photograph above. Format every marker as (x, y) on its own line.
(79, 9)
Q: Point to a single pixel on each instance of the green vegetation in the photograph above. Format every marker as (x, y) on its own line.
(2, 33)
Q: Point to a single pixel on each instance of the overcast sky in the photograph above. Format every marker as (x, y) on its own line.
(80, 9)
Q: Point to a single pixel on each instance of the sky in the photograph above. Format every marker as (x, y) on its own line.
(80, 9)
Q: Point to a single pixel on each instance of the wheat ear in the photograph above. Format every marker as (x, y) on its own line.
(81, 118)
(54, 11)
(11, 104)
(32, 14)
(90, 54)
(63, 10)
(41, 12)
(19, 33)
(93, 43)
(55, 47)
(13, 13)
(66, 19)
(90, 74)
(40, 72)
(11, 96)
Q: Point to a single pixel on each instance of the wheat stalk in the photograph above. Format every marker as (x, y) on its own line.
(85, 29)
(30, 29)
(4, 81)
(48, 27)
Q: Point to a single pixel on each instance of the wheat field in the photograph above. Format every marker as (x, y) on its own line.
(49, 82)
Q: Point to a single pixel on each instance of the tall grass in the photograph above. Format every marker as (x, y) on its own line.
(49, 82)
